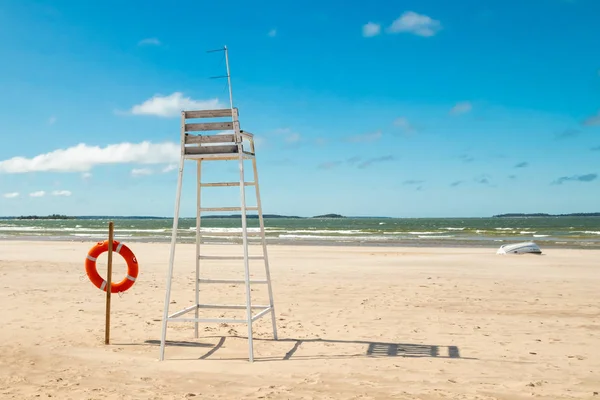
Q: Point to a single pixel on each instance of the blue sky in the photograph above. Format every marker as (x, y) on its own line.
(410, 108)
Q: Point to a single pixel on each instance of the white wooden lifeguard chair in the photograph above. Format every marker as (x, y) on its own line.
(218, 147)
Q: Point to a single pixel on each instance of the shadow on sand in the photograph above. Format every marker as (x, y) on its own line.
(372, 349)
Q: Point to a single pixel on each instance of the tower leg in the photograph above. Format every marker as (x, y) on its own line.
(264, 245)
(246, 261)
(171, 260)
(198, 221)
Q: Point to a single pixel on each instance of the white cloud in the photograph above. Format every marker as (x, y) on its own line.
(52, 120)
(141, 171)
(288, 135)
(259, 142)
(86, 176)
(39, 193)
(461, 107)
(366, 137)
(272, 33)
(12, 195)
(417, 24)
(371, 29)
(404, 124)
(170, 167)
(593, 120)
(62, 193)
(172, 105)
(149, 42)
(82, 157)
(293, 138)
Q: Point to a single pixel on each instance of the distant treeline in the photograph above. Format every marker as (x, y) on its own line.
(249, 216)
(596, 214)
(53, 216)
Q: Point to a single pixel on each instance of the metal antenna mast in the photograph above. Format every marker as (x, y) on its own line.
(228, 76)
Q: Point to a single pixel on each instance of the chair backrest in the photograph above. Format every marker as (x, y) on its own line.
(210, 143)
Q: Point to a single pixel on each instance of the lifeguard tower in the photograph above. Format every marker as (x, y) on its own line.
(200, 146)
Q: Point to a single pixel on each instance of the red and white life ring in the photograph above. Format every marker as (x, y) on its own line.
(125, 252)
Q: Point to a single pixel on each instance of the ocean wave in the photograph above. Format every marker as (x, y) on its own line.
(90, 235)
(587, 232)
(328, 231)
(455, 229)
(55, 229)
(436, 236)
(322, 237)
(223, 230)
(20, 228)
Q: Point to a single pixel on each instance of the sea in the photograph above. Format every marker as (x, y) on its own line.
(569, 232)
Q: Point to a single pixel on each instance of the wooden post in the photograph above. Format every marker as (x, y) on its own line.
(109, 281)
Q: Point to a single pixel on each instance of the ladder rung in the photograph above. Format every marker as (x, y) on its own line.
(231, 306)
(231, 257)
(204, 209)
(210, 320)
(220, 184)
(239, 281)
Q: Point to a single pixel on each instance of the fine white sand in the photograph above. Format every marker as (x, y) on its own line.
(353, 322)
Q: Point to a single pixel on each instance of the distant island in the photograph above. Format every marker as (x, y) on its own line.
(329, 216)
(517, 215)
(53, 216)
(249, 216)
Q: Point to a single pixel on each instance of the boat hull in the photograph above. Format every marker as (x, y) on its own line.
(520, 248)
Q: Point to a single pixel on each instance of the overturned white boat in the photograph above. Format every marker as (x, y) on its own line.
(520, 248)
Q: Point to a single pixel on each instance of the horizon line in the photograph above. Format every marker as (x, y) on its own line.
(267, 215)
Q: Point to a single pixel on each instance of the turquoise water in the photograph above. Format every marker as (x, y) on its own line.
(554, 231)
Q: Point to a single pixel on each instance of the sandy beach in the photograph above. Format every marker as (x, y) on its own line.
(353, 322)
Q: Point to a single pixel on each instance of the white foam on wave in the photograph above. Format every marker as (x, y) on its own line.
(541, 235)
(21, 228)
(89, 235)
(455, 229)
(338, 238)
(435, 236)
(223, 230)
(232, 230)
(326, 231)
(587, 232)
(423, 233)
(67, 230)
(526, 232)
(504, 229)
